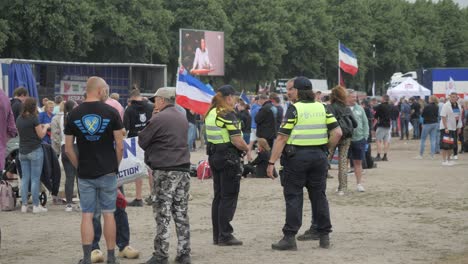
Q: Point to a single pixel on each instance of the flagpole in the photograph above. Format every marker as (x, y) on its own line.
(339, 72)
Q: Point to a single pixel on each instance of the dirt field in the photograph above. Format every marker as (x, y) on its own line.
(414, 211)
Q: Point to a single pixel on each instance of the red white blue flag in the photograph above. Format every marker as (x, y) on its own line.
(348, 61)
(192, 93)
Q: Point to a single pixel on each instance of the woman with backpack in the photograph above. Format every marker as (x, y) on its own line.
(345, 118)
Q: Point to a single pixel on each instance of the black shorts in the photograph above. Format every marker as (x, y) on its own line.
(357, 149)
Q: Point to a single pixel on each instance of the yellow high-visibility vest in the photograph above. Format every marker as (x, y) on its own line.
(216, 132)
(311, 126)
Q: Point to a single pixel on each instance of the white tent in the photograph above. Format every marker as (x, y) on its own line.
(408, 88)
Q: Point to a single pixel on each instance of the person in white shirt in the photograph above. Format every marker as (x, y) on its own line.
(202, 59)
(450, 125)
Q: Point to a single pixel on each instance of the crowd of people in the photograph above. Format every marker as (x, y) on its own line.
(304, 130)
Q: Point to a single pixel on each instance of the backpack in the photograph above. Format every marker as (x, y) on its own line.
(345, 119)
(7, 197)
(203, 170)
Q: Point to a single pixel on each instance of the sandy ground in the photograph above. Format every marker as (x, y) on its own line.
(414, 211)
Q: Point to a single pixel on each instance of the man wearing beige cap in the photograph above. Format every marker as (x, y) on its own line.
(164, 141)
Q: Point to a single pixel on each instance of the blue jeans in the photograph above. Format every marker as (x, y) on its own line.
(430, 130)
(31, 168)
(122, 228)
(404, 128)
(192, 134)
(415, 123)
(394, 126)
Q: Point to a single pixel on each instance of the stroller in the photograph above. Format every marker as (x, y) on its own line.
(13, 168)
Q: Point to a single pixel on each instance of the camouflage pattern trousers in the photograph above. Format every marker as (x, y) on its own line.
(170, 194)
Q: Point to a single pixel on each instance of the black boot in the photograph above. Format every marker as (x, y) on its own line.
(183, 259)
(155, 260)
(286, 243)
(310, 234)
(324, 241)
(230, 242)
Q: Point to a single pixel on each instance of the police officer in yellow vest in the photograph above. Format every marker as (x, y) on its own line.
(308, 130)
(224, 148)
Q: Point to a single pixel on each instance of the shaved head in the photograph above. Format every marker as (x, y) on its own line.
(94, 83)
(96, 88)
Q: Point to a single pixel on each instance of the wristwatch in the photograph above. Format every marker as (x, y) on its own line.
(271, 163)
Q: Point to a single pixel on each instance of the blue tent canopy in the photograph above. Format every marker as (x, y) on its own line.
(21, 75)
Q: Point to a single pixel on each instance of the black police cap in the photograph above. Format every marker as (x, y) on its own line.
(302, 83)
(226, 90)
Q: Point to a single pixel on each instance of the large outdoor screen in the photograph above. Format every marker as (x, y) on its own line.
(202, 52)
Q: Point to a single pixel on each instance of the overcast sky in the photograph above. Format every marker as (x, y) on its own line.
(461, 3)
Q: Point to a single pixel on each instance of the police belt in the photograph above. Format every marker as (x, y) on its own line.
(221, 148)
(320, 147)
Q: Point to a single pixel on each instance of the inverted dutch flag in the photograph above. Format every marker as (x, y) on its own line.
(244, 97)
(192, 93)
(348, 61)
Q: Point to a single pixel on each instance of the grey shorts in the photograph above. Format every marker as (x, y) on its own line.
(383, 133)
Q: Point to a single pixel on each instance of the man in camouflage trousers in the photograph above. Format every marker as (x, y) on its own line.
(164, 141)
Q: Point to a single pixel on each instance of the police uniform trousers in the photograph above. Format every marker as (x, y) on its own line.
(308, 168)
(170, 192)
(225, 168)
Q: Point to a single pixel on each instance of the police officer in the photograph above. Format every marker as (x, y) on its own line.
(225, 143)
(307, 132)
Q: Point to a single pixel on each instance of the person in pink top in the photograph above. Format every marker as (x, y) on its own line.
(115, 104)
(8, 129)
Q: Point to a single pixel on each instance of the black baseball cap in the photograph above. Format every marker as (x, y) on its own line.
(302, 83)
(226, 90)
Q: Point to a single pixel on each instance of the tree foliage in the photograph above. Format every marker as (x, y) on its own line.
(264, 39)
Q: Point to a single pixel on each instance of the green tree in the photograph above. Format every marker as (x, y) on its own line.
(4, 30)
(310, 46)
(426, 34)
(48, 29)
(455, 32)
(393, 39)
(259, 38)
(130, 31)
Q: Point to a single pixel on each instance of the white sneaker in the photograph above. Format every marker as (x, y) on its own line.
(419, 157)
(24, 209)
(39, 209)
(445, 163)
(69, 208)
(455, 157)
(340, 193)
(451, 163)
(360, 188)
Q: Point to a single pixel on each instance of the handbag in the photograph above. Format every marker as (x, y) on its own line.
(448, 142)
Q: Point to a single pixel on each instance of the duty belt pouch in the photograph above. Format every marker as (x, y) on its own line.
(289, 151)
(233, 161)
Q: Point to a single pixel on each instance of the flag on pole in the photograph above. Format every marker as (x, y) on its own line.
(373, 89)
(342, 83)
(348, 61)
(244, 97)
(192, 94)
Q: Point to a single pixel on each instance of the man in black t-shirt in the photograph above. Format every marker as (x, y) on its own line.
(382, 134)
(136, 116)
(96, 127)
